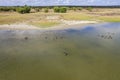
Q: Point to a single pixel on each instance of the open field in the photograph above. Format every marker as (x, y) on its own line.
(50, 19)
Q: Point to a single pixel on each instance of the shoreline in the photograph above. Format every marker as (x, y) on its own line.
(64, 25)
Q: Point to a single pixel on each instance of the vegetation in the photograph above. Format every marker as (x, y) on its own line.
(27, 9)
(40, 17)
(80, 8)
(74, 8)
(37, 9)
(46, 10)
(22, 10)
(90, 9)
(60, 9)
(7, 9)
(56, 9)
(63, 9)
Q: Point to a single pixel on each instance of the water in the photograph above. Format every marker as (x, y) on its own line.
(88, 53)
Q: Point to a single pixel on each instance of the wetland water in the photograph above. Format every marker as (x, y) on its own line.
(88, 53)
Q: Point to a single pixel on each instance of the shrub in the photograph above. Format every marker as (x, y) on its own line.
(46, 10)
(89, 8)
(27, 9)
(56, 9)
(22, 10)
(5, 9)
(63, 9)
(74, 8)
(80, 8)
(60, 9)
(37, 9)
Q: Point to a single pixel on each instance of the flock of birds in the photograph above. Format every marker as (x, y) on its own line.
(107, 35)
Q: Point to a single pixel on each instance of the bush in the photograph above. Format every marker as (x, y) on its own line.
(46, 10)
(5, 9)
(60, 9)
(74, 8)
(56, 9)
(89, 8)
(80, 8)
(22, 10)
(63, 9)
(37, 9)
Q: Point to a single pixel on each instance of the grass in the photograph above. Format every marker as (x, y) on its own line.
(110, 19)
(77, 16)
(39, 18)
(6, 18)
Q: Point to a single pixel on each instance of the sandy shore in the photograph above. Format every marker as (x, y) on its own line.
(65, 24)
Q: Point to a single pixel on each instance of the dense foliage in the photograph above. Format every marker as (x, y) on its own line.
(22, 10)
(63, 9)
(7, 9)
(56, 9)
(60, 9)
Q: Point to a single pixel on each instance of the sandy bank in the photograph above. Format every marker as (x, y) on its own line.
(64, 24)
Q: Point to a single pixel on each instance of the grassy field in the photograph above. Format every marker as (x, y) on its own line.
(49, 19)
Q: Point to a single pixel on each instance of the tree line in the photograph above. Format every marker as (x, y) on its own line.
(27, 9)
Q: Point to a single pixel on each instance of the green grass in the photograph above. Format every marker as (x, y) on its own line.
(110, 18)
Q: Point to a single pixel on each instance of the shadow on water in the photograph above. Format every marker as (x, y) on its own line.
(89, 53)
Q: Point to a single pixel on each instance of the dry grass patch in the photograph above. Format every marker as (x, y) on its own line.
(77, 16)
(13, 18)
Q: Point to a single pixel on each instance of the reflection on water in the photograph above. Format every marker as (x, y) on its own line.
(89, 53)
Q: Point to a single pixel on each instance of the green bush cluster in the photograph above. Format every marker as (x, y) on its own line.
(22, 10)
(60, 9)
(56, 9)
(7, 9)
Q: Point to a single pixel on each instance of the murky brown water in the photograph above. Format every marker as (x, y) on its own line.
(89, 53)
